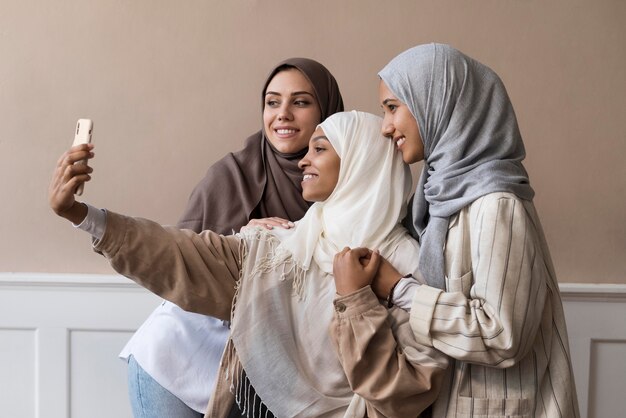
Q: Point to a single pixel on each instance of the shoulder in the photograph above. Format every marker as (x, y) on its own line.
(495, 204)
(501, 215)
(495, 199)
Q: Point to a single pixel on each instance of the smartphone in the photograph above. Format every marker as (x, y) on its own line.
(84, 127)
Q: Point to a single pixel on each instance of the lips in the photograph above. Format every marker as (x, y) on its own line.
(308, 177)
(285, 131)
(400, 141)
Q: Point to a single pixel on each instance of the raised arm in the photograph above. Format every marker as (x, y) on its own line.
(492, 309)
(198, 272)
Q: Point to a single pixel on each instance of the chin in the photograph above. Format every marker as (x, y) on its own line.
(410, 158)
(288, 147)
(312, 197)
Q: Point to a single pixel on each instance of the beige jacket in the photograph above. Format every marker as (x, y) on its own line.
(199, 272)
(501, 317)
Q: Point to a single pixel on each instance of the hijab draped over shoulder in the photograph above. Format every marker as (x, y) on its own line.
(292, 364)
(258, 181)
(472, 143)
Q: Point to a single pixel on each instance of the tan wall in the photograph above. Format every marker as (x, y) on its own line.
(172, 86)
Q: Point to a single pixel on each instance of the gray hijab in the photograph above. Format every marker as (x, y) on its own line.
(472, 144)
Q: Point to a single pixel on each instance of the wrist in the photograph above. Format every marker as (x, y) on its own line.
(390, 295)
(389, 298)
(76, 214)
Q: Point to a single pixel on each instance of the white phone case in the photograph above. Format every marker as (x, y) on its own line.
(84, 127)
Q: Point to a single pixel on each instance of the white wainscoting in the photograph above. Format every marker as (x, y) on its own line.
(59, 340)
(60, 336)
(596, 324)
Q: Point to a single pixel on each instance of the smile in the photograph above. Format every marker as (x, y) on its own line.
(400, 141)
(308, 177)
(286, 131)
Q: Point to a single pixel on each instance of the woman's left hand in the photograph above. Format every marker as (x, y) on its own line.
(354, 269)
(270, 223)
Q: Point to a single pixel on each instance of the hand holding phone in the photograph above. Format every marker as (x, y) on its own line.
(82, 135)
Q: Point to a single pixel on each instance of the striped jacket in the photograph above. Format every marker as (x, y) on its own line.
(501, 317)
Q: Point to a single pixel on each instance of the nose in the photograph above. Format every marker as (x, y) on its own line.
(304, 162)
(387, 128)
(284, 112)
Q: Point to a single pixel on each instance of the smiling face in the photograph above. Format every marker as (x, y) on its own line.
(291, 111)
(320, 168)
(400, 126)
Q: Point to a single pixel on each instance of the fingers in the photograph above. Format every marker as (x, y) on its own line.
(271, 223)
(340, 254)
(75, 154)
(361, 252)
(374, 263)
(68, 175)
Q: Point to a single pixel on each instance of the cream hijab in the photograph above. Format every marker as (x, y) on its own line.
(283, 306)
(368, 203)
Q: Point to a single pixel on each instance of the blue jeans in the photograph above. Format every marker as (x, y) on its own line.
(148, 399)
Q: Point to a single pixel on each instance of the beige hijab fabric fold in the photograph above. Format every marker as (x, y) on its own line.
(283, 306)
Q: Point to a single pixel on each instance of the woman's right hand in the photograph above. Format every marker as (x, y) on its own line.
(65, 180)
(270, 223)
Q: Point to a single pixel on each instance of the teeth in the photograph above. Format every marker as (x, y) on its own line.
(307, 177)
(285, 131)
(401, 141)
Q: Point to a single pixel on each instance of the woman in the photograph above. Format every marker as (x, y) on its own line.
(174, 356)
(492, 300)
(278, 286)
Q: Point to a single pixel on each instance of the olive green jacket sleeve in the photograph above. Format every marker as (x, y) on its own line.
(197, 272)
(396, 376)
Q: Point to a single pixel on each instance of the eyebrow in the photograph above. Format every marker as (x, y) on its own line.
(317, 138)
(388, 100)
(295, 93)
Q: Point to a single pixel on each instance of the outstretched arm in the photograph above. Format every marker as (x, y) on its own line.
(198, 272)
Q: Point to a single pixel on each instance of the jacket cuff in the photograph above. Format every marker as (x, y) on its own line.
(422, 311)
(355, 303)
(114, 235)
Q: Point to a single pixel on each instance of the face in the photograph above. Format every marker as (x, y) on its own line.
(400, 126)
(320, 168)
(291, 112)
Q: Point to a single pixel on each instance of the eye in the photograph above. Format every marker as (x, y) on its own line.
(272, 103)
(319, 149)
(392, 107)
(301, 103)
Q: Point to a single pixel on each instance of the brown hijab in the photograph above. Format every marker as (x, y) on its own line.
(258, 181)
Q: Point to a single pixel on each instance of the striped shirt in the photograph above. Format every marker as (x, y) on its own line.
(501, 317)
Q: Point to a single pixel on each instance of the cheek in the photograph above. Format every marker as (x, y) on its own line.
(308, 122)
(311, 117)
(267, 116)
(334, 170)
